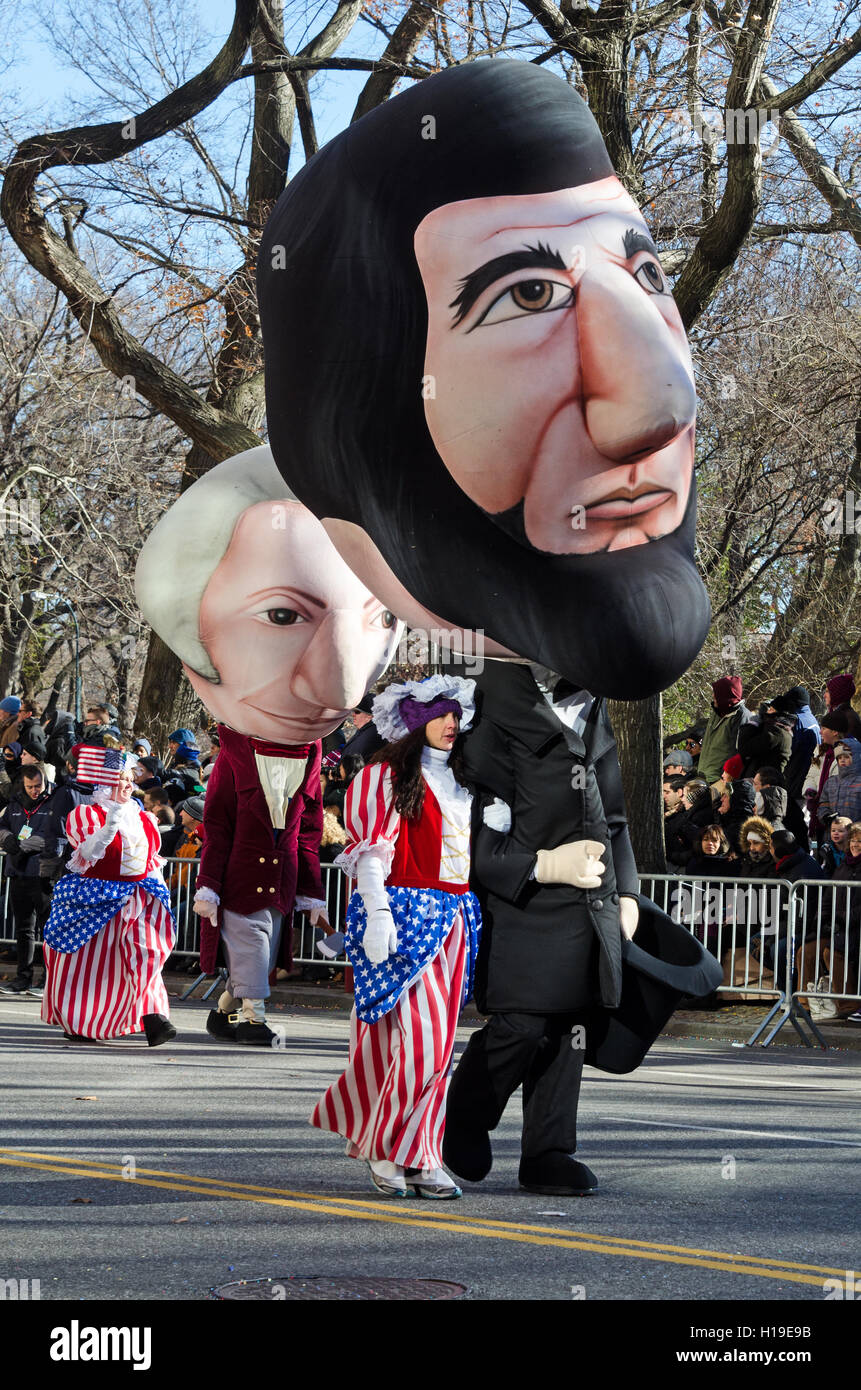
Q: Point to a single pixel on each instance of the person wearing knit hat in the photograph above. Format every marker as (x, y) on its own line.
(412, 931)
(805, 738)
(838, 698)
(10, 708)
(841, 795)
(111, 928)
(728, 714)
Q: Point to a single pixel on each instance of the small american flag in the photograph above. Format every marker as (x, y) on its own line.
(102, 766)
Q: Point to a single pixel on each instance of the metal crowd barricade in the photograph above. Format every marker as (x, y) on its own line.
(747, 923)
(828, 948)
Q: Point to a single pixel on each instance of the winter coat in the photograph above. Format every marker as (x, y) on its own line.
(746, 866)
(805, 742)
(720, 740)
(32, 739)
(742, 801)
(61, 733)
(766, 744)
(774, 807)
(710, 866)
(46, 818)
(95, 734)
(545, 948)
(848, 908)
(841, 795)
(680, 834)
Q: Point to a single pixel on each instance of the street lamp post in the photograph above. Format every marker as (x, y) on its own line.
(74, 617)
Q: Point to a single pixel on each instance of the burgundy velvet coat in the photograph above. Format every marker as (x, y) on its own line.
(244, 860)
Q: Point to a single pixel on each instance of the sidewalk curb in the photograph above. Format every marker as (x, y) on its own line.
(705, 1027)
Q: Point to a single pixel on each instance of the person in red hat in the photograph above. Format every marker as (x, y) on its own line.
(838, 694)
(728, 714)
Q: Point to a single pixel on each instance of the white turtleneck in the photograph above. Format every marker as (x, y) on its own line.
(455, 804)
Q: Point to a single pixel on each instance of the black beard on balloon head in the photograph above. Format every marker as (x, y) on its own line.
(344, 319)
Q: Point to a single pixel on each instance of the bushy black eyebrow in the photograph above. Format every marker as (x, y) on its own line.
(638, 241)
(538, 257)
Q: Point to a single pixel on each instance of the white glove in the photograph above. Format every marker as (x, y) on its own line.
(577, 863)
(497, 816)
(381, 938)
(205, 907)
(629, 909)
(319, 917)
(115, 810)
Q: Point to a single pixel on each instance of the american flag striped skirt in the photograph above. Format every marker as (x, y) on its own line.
(390, 1101)
(104, 989)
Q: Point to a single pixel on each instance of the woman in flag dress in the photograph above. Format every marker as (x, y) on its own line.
(111, 928)
(412, 935)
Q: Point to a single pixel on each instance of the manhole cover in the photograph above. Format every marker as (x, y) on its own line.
(319, 1286)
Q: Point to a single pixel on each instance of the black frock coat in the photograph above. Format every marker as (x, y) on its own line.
(544, 948)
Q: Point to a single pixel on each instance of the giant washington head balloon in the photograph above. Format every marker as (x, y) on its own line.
(477, 377)
(277, 636)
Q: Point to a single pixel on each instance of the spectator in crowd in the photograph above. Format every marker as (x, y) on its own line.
(11, 770)
(29, 759)
(365, 742)
(791, 859)
(848, 934)
(838, 700)
(742, 805)
(141, 747)
(710, 858)
(841, 795)
(99, 728)
(10, 708)
(31, 735)
(733, 769)
(834, 947)
(728, 714)
(147, 773)
(157, 802)
(694, 746)
(675, 821)
(772, 801)
(682, 828)
(832, 851)
(214, 745)
(188, 844)
(33, 836)
(334, 836)
(833, 728)
(805, 738)
(61, 734)
(678, 763)
(755, 843)
(182, 777)
(766, 741)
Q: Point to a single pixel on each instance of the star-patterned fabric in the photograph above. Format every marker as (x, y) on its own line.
(423, 918)
(80, 907)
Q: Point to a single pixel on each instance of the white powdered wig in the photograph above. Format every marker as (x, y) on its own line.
(186, 547)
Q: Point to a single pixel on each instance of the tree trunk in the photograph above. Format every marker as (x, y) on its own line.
(637, 726)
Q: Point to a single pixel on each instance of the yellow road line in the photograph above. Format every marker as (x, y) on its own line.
(346, 1207)
(427, 1213)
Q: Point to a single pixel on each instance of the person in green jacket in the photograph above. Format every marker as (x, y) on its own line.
(720, 740)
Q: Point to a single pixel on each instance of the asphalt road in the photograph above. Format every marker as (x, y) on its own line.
(159, 1174)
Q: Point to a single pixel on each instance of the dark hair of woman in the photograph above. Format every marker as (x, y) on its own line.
(714, 832)
(405, 759)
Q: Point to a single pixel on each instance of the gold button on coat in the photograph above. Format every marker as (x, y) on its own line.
(260, 890)
(271, 890)
(262, 860)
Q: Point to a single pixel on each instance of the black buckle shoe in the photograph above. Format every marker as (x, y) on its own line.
(158, 1029)
(222, 1026)
(257, 1034)
(556, 1174)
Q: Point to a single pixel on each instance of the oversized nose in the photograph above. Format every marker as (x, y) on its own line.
(638, 395)
(336, 664)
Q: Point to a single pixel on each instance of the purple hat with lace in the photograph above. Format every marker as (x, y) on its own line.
(403, 708)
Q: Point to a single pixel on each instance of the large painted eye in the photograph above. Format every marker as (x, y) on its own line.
(283, 617)
(651, 277)
(535, 296)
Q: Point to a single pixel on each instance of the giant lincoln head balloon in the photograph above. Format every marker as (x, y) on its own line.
(277, 636)
(478, 379)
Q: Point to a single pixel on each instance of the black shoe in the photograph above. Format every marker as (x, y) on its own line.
(257, 1034)
(556, 1174)
(218, 1025)
(158, 1029)
(466, 1150)
(15, 987)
